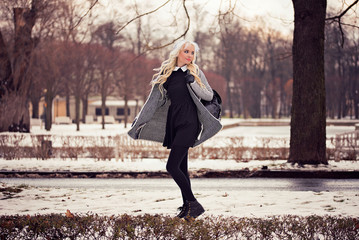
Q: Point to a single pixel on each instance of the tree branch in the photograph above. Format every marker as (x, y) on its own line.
(83, 16)
(338, 19)
(182, 35)
(171, 42)
(141, 15)
(349, 25)
(344, 12)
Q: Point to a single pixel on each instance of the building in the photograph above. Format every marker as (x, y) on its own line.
(115, 108)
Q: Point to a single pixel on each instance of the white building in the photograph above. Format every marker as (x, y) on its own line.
(115, 108)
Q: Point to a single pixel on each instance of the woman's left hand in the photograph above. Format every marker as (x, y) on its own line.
(189, 77)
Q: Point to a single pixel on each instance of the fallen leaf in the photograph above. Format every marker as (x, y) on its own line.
(69, 214)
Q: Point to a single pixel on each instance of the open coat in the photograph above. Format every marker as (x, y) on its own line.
(150, 123)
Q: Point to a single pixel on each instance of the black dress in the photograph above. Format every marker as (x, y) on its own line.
(183, 126)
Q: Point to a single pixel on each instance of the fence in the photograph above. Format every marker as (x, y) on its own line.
(346, 145)
(120, 147)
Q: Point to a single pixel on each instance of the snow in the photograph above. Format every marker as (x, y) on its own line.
(225, 197)
(154, 165)
(164, 200)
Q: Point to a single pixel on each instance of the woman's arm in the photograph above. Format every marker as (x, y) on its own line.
(203, 93)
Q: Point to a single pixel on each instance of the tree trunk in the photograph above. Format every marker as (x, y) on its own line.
(356, 93)
(103, 108)
(14, 101)
(126, 110)
(84, 107)
(340, 105)
(68, 104)
(5, 85)
(48, 110)
(308, 122)
(5, 68)
(35, 107)
(77, 112)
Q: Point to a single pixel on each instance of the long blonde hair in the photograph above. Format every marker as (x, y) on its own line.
(169, 65)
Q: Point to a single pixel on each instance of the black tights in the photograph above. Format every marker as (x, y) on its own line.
(177, 166)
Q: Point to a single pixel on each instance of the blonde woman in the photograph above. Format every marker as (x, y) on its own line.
(174, 115)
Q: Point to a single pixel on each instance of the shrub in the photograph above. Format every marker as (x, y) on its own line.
(9, 146)
(92, 226)
(16, 146)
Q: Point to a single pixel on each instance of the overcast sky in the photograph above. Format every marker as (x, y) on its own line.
(275, 14)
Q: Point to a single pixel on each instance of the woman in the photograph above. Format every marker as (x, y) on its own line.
(174, 116)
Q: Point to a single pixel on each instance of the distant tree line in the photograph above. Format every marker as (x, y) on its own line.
(342, 72)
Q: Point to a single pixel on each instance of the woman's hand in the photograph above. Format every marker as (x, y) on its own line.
(189, 77)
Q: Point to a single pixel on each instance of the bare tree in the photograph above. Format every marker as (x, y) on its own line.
(229, 36)
(80, 79)
(47, 67)
(341, 72)
(354, 75)
(308, 122)
(15, 79)
(278, 71)
(336, 69)
(106, 66)
(126, 79)
(106, 63)
(15, 85)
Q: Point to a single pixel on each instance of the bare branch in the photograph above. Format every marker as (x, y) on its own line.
(343, 13)
(349, 25)
(83, 16)
(141, 15)
(182, 35)
(171, 42)
(338, 19)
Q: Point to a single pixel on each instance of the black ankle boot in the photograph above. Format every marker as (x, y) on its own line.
(194, 209)
(183, 211)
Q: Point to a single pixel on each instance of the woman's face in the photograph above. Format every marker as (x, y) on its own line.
(185, 55)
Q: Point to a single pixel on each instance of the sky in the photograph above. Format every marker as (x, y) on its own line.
(274, 14)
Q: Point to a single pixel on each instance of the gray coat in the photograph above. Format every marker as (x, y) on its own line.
(150, 123)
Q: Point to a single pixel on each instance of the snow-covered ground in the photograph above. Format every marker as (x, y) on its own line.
(161, 196)
(282, 130)
(143, 165)
(218, 201)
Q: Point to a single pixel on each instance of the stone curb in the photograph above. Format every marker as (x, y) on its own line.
(194, 174)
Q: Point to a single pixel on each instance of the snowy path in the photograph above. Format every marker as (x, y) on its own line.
(228, 197)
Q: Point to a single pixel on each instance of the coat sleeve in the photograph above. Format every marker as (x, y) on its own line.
(147, 110)
(203, 93)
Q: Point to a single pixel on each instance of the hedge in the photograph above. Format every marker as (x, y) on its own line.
(92, 226)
